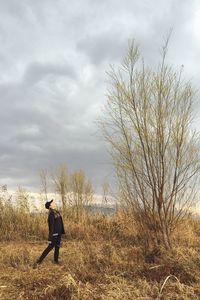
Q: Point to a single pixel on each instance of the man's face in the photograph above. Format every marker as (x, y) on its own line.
(53, 205)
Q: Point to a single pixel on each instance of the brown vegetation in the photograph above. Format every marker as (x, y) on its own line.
(103, 257)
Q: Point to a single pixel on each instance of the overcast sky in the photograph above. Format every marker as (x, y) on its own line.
(53, 60)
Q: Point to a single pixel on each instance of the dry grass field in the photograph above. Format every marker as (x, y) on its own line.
(101, 258)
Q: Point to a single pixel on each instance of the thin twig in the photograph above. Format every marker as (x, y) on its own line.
(164, 283)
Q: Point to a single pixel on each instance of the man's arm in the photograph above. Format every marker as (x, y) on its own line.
(51, 226)
(63, 230)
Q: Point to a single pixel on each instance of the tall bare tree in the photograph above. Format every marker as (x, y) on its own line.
(61, 180)
(81, 191)
(155, 151)
(4, 194)
(105, 191)
(22, 199)
(44, 182)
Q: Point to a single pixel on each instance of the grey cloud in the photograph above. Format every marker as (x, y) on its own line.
(147, 23)
(107, 46)
(52, 81)
(36, 138)
(37, 71)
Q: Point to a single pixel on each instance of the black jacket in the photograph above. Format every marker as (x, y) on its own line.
(55, 223)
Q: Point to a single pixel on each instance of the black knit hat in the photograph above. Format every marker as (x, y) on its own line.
(47, 204)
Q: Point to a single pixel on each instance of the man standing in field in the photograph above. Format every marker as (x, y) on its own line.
(56, 229)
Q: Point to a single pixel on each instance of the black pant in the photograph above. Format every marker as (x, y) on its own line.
(54, 244)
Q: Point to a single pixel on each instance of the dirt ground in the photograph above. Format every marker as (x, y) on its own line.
(96, 270)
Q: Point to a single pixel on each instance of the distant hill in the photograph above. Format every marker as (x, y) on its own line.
(104, 209)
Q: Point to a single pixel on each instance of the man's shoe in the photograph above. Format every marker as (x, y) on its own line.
(57, 263)
(36, 265)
